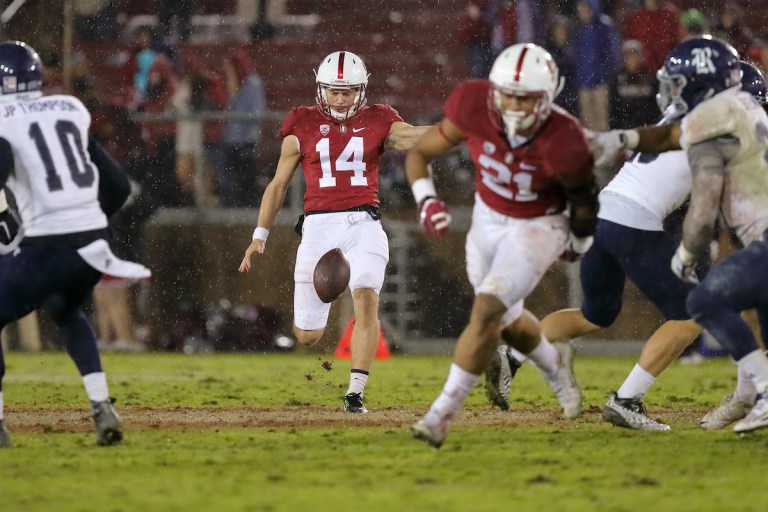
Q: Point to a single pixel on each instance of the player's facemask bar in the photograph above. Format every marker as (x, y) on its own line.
(357, 104)
(515, 120)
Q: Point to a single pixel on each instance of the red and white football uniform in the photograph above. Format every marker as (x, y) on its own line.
(518, 227)
(340, 161)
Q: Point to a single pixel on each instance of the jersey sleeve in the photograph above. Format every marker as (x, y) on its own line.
(452, 106)
(389, 115)
(289, 123)
(710, 119)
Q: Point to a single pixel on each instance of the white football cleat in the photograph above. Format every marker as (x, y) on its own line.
(431, 431)
(563, 381)
(729, 410)
(757, 417)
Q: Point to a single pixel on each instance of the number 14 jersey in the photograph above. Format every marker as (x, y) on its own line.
(55, 184)
(340, 159)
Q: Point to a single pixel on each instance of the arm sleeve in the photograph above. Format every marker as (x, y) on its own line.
(289, 124)
(114, 186)
(6, 161)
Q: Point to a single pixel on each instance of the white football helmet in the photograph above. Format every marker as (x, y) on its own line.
(341, 70)
(524, 69)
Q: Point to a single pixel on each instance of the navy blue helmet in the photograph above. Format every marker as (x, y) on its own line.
(696, 70)
(753, 81)
(20, 68)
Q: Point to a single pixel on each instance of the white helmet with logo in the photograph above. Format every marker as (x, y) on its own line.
(525, 69)
(341, 70)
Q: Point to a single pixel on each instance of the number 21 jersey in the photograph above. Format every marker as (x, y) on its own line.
(340, 159)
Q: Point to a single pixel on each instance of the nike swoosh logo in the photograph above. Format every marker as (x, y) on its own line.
(355, 130)
(527, 167)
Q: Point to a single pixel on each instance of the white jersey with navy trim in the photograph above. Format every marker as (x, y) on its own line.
(659, 184)
(55, 184)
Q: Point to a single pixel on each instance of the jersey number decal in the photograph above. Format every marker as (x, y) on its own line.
(69, 136)
(500, 181)
(351, 159)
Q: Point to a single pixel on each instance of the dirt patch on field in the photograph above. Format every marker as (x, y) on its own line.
(31, 419)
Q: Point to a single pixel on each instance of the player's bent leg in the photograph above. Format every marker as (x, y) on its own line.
(666, 344)
(567, 324)
(307, 338)
(524, 335)
(476, 346)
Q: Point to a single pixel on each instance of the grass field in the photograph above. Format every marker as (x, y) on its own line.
(265, 433)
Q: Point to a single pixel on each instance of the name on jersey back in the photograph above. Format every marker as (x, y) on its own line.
(42, 105)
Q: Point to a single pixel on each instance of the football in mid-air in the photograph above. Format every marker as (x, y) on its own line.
(331, 275)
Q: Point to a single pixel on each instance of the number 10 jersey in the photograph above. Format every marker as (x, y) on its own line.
(55, 184)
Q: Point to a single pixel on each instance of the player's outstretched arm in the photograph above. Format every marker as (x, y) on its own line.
(606, 146)
(437, 140)
(403, 136)
(273, 198)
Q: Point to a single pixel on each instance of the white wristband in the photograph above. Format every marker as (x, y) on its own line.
(260, 234)
(631, 139)
(423, 187)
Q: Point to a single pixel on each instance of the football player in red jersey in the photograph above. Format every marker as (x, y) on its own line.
(338, 142)
(533, 163)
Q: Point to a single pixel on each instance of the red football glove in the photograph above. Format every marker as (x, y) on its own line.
(434, 217)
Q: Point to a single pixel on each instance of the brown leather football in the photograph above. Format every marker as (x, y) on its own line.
(331, 275)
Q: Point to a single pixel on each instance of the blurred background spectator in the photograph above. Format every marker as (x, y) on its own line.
(633, 90)
(95, 20)
(729, 27)
(559, 45)
(694, 23)
(241, 181)
(475, 33)
(656, 26)
(596, 43)
(178, 10)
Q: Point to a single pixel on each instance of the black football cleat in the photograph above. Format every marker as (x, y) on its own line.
(353, 402)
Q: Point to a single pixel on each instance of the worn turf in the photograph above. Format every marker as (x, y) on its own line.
(265, 433)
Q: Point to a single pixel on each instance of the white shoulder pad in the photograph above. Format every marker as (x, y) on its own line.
(711, 118)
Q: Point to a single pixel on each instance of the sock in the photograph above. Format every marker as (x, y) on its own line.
(638, 382)
(545, 356)
(517, 354)
(755, 364)
(357, 381)
(460, 382)
(745, 388)
(96, 386)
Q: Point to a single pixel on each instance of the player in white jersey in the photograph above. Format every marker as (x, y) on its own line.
(65, 186)
(725, 136)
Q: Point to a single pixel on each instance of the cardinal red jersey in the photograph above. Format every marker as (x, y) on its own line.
(523, 182)
(340, 159)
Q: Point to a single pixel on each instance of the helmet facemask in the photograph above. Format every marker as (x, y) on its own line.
(359, 102)
(517, 120)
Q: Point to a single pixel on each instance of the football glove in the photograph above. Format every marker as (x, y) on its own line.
(606, 146)
(684, 265)
(11, 231)
(576, 248)
(434, 217)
